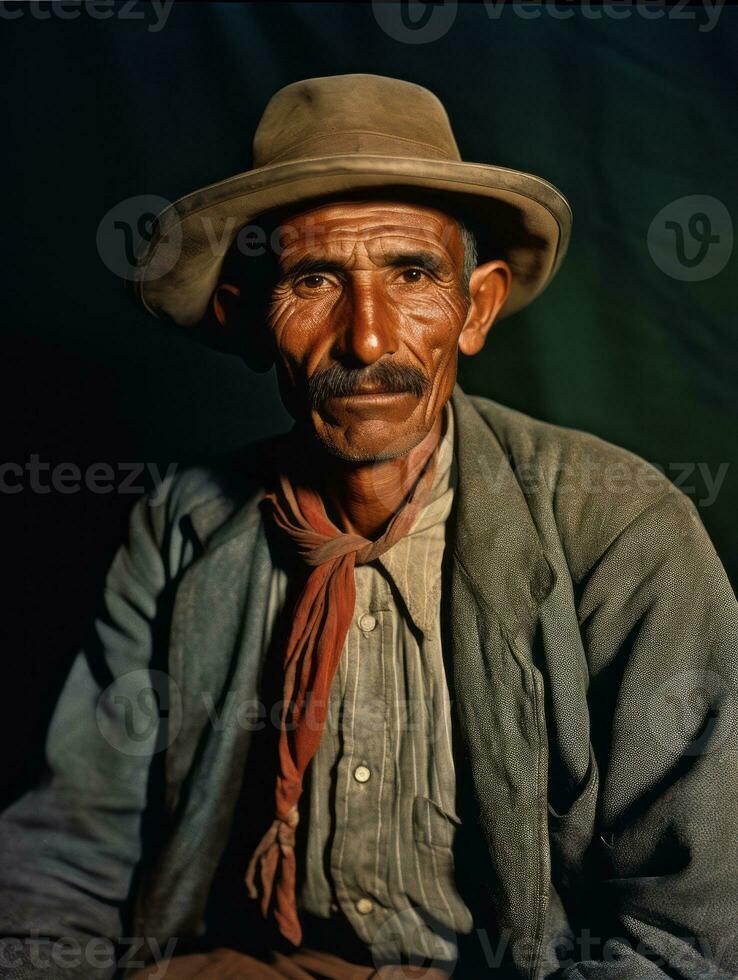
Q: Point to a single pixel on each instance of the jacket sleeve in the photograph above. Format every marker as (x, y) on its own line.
(660, 622)
(69, 847)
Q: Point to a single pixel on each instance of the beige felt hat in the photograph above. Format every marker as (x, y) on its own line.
(344, 134)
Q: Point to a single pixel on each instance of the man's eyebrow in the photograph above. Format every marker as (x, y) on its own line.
(310, 264)
(430, 261)
(421, 258)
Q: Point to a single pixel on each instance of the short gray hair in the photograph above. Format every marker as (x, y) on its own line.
(471, 256)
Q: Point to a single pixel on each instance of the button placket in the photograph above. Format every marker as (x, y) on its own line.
(361, 780)
(368, 774)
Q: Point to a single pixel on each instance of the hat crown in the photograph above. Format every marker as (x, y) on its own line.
(358, 113)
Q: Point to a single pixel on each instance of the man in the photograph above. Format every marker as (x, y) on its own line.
(444, 690)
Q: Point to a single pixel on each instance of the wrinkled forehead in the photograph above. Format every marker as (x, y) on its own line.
(341, 227)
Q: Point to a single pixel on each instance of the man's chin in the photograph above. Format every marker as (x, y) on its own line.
(363, 456)
(376, 448)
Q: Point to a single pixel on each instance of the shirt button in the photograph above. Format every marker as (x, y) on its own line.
(362, 774)
(364, 906)
(367, 622)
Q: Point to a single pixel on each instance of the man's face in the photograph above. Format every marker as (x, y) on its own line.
(365, 319)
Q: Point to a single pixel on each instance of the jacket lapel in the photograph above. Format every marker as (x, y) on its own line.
(220, 604)
(215, 659)
(216, 639)
(498, 578)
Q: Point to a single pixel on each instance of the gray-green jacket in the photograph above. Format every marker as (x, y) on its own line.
(592, 647)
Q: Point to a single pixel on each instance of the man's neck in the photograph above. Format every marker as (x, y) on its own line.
(362, 498)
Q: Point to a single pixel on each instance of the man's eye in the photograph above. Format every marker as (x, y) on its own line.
(413, 275)
(312, 282)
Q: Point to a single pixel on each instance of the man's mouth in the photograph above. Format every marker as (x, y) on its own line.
(372, 391)
(371, 403)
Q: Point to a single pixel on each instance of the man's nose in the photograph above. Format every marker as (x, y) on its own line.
(368, 328)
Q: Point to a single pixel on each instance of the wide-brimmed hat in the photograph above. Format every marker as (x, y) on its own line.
(341, 135)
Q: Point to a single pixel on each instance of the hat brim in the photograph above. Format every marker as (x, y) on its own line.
(525, 217)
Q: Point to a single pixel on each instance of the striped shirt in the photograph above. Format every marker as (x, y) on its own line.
(380, 797)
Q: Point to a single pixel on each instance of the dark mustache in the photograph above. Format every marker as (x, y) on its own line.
(337, 381)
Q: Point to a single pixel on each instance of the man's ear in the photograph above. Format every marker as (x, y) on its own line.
(242, 328)
(489, 287)
(226, 304)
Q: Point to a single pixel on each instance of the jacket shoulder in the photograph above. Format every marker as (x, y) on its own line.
(211, 491)
(589, 488)
(525, 438)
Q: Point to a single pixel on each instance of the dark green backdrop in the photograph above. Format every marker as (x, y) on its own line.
(624, 115)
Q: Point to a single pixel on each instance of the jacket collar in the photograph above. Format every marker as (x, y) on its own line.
(495, 540)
